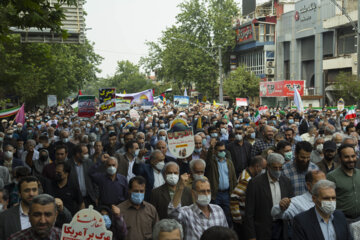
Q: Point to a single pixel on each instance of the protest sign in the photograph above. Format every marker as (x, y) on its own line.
(107, 100)
(122, 104)
(241, 102)
(180, 138)
(144, 99)
(181, 101)
(86, 224)
(341, 104)
(86, 106)
(51, 100)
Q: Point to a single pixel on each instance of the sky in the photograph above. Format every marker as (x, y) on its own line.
(120, 28)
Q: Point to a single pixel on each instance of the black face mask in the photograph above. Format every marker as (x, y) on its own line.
(43, 158)
(58, 177)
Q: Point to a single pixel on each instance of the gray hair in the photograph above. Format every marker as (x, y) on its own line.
(203, 180)
(167, 165)
(337, 134)
(43, 199)
(349, 137)
(193, 162)
(140, 134)
(317, 139)
(166, 225)
(31, 141)
(275, 158)
(112, 158)
(322, 184)
(154, 153)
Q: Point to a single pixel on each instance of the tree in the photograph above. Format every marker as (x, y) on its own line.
(187, 52)
(24, 14)
(241, 83)
(348, 87)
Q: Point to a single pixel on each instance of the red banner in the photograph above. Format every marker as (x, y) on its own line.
(244, 34)
(281, 88)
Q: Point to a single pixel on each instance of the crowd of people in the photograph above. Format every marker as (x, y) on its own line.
(285, 175)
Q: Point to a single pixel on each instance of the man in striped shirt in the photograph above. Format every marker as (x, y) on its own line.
(237, 202)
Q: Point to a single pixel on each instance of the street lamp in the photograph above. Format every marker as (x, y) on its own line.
(216, 59)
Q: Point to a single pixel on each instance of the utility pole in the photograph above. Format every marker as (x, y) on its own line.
(221, 96)
(358, 42)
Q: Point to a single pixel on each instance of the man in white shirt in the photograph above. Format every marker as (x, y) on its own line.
(288, 208)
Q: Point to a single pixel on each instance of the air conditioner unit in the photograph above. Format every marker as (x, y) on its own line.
(270, 64)
(270, 71)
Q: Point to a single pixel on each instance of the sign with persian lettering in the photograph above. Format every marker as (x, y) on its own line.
(107, 98)
(180, 138)
(86, 224)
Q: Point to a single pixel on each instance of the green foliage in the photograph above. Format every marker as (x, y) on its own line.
(241, 83)
(31, 13)
(29, 72)
(348, 87)
(187, 52)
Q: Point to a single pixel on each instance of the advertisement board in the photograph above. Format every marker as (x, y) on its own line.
(283, 88)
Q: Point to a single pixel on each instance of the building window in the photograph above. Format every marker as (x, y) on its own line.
(346, 44)
(253, 61)
(265, 32)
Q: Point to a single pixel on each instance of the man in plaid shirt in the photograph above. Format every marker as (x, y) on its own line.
(297, 169)
(42, 215)
(264, 143)
(199, 216)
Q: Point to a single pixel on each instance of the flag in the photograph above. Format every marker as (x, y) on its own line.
(162, 96)
(125, 92)
(20, 116)
(257, 117)
(262, 110)
(350, 113)
(298, 101)
(199, 124)
(9, 112)
(75, 106)
(185, 93)
(215, 104)
(80, 93)
(197, 101)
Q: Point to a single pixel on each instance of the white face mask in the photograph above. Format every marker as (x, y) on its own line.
(160, 165)
(197, 176)
(328, 207)
(319, 148)
(172, 179)
(203, 200)
(86, 157)
(111, 170)
(239, 137)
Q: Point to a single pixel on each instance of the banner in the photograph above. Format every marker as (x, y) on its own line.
(86, 224)
(180, 138)
(181, 101)
(144, 99)
(241, 102)
(107, 100)
(122, 104)
(86, 106)
(51, 100)
(281, 88)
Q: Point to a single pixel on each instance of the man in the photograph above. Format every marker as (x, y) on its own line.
(112, 146)
(197, 171)
(161, 196)
(167, 229)
(128, 137)
(322, 221)
(222, 177)
(151, 171)
(264, 143)
(140, 216)
(162, 146)
(289, 136)
(30, 155)
(112, 186)
(98, 148)
(62, 188)
(317, 152)
(199, 216)
(240, 151)
(4, 200)
(328, 164)
(42, 216)
(262, 193)
(338, 138)
(284, 148)
(127, 160)
(61, 154)
(80, 165)
(64, 140)
(347, 180)
(9, 159)
(199, 151)
(288, 208)
(297, 169)
(310, 135)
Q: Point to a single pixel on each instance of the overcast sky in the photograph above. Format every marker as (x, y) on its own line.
(120, 28)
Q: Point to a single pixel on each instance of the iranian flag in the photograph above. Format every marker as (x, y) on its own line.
(257, 117)
(263, 110)
(9, 112)
(351, 113)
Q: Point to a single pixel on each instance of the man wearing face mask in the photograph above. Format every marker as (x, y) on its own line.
(317, 152)
(80, 165)
(192, 217)
(240, 151)
(40, 163)
(64, 140)
(151, 171)
(221, 174)
(161, 196)
(347, 180)
(284, 148)
(139, 215)
(250, 135)
(262, 193)
(322, 221)
(9, 160)
(126, 161)
(112, 185)
(297, 169)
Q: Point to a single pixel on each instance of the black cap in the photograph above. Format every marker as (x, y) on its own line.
(329, 145)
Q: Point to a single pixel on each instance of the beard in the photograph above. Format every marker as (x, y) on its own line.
(349, 165)
(302, 166)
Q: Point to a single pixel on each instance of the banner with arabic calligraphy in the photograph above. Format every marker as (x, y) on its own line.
(144, 99)
(86, 106)
(181, 101)
(180, 138)
(283, 88)
(107, 98)
(86, 224)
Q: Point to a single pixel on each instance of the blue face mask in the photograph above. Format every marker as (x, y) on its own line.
(237, 125)
(197, 150)
(107, 221)
(214, 135)
(221, 154)
(241, 120)
(291, 121)
(204, 142)
(137, 198)
(253, 135)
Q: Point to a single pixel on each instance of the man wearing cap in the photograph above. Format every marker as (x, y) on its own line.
(4, 124)
(328, 164)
